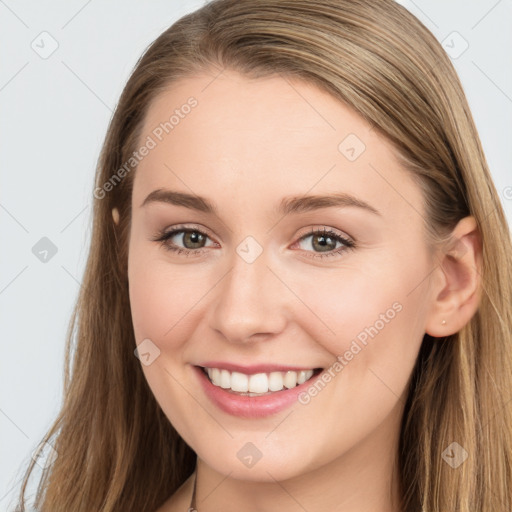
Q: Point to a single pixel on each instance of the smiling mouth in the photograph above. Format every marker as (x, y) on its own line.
(258, 384)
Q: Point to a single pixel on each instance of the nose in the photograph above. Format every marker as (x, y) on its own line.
(250, 303)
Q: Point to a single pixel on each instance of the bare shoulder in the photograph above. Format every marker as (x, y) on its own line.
(180, 500)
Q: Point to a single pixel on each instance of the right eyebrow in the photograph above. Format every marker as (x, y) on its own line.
(180, 199)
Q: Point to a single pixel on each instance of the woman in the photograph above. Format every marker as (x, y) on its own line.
(297, 235)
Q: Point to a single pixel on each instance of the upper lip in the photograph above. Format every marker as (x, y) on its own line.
(255, 368)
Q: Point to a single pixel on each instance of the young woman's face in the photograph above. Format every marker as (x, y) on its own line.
(265, 283)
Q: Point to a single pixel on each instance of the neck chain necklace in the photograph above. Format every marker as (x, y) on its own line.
(192, 506)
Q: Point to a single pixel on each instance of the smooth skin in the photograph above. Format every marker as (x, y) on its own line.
(244, 147)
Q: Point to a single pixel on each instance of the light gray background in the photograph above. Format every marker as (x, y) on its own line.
(54, 114)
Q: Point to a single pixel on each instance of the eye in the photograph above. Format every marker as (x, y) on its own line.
(325, 243)
(193, 240)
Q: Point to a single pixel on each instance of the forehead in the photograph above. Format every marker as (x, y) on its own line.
(232, 107)
(227, 134)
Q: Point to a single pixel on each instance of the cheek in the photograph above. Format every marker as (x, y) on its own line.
(162, 296)
(372, 323)
(162, 306)
(153, 303)
(337, 305)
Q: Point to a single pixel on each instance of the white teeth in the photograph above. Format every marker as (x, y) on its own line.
(225, 379)
(290, 379)
(275, 381)
(301, 377)
(259, 382)
(239, 382)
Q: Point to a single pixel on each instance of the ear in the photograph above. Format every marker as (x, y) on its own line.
(115, 215)
(457, 278)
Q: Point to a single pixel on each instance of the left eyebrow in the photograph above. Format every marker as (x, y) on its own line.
(301, 204)
(288, 205)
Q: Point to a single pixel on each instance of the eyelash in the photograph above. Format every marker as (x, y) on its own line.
(164, 236)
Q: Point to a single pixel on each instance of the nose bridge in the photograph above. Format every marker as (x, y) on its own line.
(248, 300)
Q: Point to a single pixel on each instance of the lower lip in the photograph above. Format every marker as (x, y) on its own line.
(251, 406)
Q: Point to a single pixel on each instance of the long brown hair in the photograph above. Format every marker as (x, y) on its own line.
(117, 451)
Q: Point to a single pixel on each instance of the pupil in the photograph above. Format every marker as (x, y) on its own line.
(194, 238)
(325, 244)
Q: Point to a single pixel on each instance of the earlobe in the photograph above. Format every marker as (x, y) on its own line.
(457, 295)
(115, 215)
